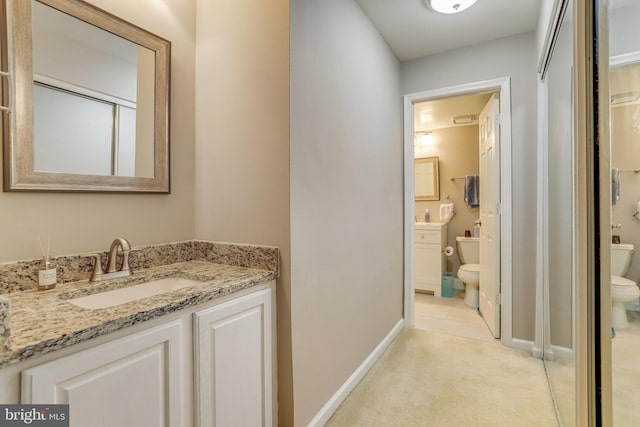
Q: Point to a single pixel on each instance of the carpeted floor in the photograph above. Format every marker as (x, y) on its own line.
(427, 378)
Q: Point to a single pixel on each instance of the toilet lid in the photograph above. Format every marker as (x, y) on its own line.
(622, 281)
(475, 268)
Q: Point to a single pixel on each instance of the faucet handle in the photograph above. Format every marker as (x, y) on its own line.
(96, 275)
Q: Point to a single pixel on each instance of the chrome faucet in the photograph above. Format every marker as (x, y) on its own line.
(112, 271)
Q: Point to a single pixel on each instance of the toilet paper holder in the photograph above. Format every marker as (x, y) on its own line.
(448, 251)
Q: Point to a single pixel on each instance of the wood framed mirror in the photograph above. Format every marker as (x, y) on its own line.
(427, 179)
(88, 95)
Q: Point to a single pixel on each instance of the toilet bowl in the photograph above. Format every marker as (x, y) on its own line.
(622, 289)
(469, 271)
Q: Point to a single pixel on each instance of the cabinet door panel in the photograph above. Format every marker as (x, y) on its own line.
(133, 381)
(428, 263)
(234, 362)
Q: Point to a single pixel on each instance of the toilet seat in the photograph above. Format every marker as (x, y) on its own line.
(471, 268)
(622, 281)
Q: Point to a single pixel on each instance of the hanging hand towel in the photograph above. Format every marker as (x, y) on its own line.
(446, 212)
(615, 185)
(472, 190)
(636, 214)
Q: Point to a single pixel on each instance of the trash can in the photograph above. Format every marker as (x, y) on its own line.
(447, 284)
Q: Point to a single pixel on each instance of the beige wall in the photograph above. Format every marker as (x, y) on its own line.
(514, 57)
(457, 152)
(242, 141)
(85, 222)
(625, 154)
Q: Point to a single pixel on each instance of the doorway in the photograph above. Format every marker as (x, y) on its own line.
(503, 207)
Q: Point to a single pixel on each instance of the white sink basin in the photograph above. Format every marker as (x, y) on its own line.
(132, 293)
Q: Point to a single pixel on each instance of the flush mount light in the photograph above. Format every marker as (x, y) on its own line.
(464, 120)
(450, 6)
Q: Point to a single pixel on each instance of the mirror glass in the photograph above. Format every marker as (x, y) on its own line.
(560, 222)
(98, 116)
(624, 120)
(427, 179)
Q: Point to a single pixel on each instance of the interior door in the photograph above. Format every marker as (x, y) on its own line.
(490, 214)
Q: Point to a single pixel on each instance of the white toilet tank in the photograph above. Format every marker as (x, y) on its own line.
(468, 249)
(621, 258)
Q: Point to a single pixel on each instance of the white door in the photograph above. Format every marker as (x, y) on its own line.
(490, 214)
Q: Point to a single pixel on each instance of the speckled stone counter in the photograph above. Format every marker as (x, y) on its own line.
(37, 322)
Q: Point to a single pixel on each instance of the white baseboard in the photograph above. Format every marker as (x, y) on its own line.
(336, 400)
(562, 353)
(555, 352)
(537, 352)
(519, 344)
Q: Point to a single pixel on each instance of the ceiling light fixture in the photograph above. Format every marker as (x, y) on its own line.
(450, 6)
(423, 139)
(464, 120)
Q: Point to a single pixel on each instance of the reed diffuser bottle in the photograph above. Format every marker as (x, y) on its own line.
(47, 274)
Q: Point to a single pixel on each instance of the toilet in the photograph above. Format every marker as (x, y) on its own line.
(622, 289)
(469, 271)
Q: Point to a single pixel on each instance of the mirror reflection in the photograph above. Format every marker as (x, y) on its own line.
(92, 98)
(624, 92)
(559, 286)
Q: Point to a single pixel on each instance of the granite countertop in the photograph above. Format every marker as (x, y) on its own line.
(44, 321)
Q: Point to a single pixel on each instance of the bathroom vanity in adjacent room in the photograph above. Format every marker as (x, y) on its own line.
(429, 260)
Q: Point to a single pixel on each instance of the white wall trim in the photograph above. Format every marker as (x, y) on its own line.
(503, 85)
(343, 392)
(409, 210)
(624, 59)
(525, 345)
(542, 244)
(562, 353)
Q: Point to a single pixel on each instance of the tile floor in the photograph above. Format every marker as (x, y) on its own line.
(451, 316)
(625, 351)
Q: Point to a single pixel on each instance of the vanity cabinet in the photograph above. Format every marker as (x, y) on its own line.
(211, 364)
(429, 259)
(234, 362)
(138, 380)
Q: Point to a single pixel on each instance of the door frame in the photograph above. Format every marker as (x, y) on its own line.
(503, 86)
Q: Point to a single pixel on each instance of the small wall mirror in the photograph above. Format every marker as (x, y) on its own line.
(427, 179)
(89, 100)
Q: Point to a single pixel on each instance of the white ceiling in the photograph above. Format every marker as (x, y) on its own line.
(413, 30)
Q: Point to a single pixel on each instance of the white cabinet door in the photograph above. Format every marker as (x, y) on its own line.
(129, 382)
(428, 270)
(429, 262)
(234, 362)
